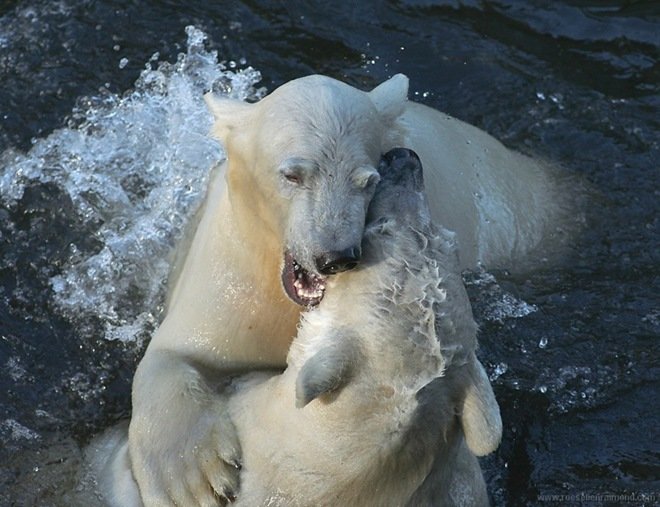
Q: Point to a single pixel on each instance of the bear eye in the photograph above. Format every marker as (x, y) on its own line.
(296, 171)
(293, 178)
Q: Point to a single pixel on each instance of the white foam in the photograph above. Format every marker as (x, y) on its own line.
(12, 430)
(497, 305)
(14, 369)
(575, 386)
(499, 370)
(137, 165)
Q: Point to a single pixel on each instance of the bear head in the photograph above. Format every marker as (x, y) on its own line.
(302, 170)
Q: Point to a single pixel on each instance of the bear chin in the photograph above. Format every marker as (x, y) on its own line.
(303, 287)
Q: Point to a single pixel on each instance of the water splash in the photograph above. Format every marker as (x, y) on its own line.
(572, 387)
(12, 430)
(495, 304)
(135, 168)
(499, 370)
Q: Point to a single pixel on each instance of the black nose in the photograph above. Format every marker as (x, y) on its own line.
(402, 166)
(330, 263)
(400, 153)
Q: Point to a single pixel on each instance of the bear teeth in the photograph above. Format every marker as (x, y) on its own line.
(308, 285)
(304, 287)
(311, 294)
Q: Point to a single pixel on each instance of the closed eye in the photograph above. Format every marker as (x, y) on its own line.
(297, 171)
(293, 178)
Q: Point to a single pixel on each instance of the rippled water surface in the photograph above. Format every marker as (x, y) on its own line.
(104, 157)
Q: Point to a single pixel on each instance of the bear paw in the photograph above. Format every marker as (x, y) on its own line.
(189, 459)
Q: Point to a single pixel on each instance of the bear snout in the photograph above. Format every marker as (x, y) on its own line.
(330, 263)
(400, 153)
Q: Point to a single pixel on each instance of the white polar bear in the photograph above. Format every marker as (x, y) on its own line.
(383, 402)
(287, 211)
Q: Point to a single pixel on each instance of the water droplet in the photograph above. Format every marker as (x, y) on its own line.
(556, 98)
(500, 369)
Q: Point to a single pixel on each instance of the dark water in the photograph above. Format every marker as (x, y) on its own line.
(101, 168)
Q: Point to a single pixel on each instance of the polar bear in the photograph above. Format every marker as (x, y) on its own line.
(383, 402)
(283, 215)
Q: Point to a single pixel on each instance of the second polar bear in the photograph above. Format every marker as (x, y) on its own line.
(383, 402)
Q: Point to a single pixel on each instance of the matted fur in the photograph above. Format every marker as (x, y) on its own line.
(371, 410)
(228, 311)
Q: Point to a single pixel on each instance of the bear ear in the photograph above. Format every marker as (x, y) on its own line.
(228, 114)
(325, 372)
(480, 418)
(390, 97)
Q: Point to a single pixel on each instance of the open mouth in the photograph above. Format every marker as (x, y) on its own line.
(304, 288)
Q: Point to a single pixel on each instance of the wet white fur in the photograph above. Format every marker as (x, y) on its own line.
(370, 435)
(227, 309)
(383, 334)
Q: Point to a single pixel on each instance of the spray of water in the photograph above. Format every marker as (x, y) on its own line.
(135, 168)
